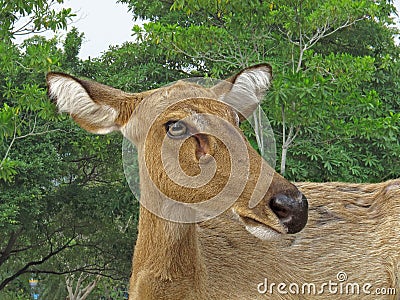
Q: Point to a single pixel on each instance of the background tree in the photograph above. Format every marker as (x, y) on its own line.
(28, 17)
(22, 18)
(333, 82)
(64, 205)
(81, 288)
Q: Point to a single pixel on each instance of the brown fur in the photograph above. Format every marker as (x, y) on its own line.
(352, 228)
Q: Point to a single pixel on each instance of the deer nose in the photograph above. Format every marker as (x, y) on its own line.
(293, 213)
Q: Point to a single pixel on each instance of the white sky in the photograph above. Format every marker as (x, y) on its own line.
(104, 23)
(397, 4)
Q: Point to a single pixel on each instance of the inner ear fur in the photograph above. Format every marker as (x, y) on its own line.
(96, 107)
(245, 90)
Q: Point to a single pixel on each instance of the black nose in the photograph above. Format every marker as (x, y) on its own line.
(293, 213)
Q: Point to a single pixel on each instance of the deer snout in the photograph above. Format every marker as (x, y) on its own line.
(292, 212)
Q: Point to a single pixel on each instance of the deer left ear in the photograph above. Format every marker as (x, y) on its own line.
(245, 90)
(95, 107)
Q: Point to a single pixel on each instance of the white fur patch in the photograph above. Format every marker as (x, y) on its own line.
(248, 90)
(259, 231)
(262, 232)
(72, 98)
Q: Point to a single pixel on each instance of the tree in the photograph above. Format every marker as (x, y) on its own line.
(74, 213)
(64, 206)
(325, 100)
(81, 290)
(29, 17)
(18, 119)
(72, 46)
(22, 18)
(134, 67)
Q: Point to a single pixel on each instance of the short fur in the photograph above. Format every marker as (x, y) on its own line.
(352, 228)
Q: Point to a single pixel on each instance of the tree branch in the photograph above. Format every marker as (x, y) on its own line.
(5, 254)
(10, 145)
(321, 33)
(15, 138)
(25, 269)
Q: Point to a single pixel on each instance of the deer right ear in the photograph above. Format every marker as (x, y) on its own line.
(95, 107)
(245, 90)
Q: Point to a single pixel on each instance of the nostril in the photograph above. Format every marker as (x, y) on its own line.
(291, 212)
(279, 207)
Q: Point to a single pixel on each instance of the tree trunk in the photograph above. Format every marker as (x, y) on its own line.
(81, 292)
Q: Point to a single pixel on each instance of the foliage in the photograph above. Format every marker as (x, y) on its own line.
(72, 46)
(64, 205)
(133, 67)
(334, 102)
(24, 17)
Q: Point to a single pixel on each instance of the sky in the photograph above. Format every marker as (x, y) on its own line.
(104, 23)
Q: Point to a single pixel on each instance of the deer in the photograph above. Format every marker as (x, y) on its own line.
(262, 237)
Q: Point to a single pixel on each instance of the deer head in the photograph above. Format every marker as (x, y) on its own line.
(194, 160)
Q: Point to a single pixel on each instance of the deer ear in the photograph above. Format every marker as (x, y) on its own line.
(245, 90)
(95, 107)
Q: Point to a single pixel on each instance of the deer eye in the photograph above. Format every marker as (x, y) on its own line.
(176, 129)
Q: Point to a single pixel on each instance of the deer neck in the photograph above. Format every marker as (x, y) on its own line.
(167, 263)
(166, 249)
(167, 259)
